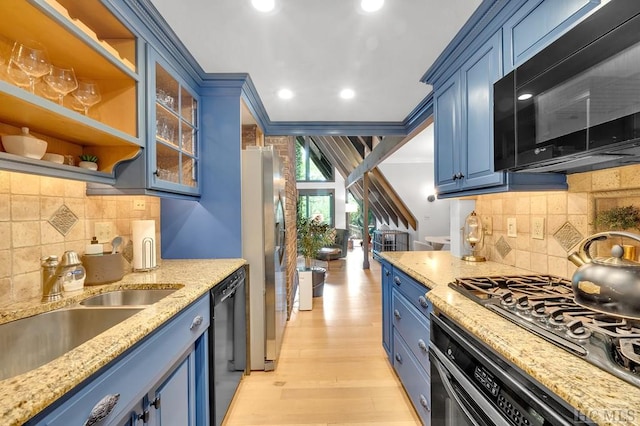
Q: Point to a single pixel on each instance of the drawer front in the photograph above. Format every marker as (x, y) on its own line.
(413, 327)
(135, 373)
(415, 381)
(413, 291)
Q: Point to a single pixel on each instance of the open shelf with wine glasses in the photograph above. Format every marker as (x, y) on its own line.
(86, 99)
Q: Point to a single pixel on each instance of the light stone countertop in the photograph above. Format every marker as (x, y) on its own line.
(24, 396)
(604, 398)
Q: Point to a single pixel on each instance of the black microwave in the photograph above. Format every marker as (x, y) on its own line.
(574, 106)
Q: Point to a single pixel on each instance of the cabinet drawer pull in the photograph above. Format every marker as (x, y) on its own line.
(396, 313)
(196, 322)
(397, 280)
(423, 302)
(424, 402)
(422, 345)
(399, 358)
(102, 409)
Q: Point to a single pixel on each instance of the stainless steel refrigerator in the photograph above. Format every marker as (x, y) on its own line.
(263, 240)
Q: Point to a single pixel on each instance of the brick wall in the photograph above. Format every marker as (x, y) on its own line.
(285, 147)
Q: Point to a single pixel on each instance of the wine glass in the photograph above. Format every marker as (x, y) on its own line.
(17, 76)
(87, 94)
(62, 81)
(32, 59)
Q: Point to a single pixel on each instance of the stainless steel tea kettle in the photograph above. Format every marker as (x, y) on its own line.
(609, 285)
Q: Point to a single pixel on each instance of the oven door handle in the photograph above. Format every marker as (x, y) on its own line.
(444, 366)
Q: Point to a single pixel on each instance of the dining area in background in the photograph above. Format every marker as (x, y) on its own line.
(439, 242)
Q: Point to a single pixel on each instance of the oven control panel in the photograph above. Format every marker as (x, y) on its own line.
(486, 379)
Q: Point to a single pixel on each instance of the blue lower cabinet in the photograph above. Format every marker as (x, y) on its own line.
(414, 379)
(405, 322)
(386, 308)
(413, 328)
(157, 382)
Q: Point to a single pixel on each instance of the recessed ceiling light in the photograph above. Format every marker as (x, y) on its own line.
(264, 5)
(285, 94)
(347, 94)
(371, 5)
(525, 96)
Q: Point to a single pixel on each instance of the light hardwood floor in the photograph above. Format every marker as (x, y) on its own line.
(333, 369)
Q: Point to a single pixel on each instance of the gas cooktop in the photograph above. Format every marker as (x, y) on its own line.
(544, 305)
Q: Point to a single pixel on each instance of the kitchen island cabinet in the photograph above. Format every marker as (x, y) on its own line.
(601, 396)
(405, 325)
(160, 349)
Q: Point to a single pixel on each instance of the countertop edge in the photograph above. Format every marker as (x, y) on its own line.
(28, 394)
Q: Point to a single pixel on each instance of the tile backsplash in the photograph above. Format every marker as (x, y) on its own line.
(566, 216)
(41, 216)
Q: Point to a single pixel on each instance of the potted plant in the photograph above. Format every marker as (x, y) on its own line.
(619, 218)
(89, 162)
(312, 236)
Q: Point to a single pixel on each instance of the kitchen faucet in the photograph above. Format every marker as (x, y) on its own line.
(54, 273)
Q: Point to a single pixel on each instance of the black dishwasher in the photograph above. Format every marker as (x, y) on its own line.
(227, 342)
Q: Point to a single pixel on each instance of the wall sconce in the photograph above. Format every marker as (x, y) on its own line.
(431, 198)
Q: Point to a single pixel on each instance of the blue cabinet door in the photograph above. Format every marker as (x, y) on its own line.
(174, 398)
(386, 308)
(537, 23)
(478, 75)
(173, 129)
(447, 125)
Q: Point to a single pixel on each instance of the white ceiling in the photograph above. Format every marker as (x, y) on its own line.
(316, 48)
(417, 150)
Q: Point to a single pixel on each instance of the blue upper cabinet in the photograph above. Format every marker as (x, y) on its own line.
(99, 48)
(463, 124)
(500, 36)
(447, 128)
(172, 146)
(537, 23)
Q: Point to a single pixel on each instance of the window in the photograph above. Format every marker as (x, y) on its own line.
(312, 202)
(311, 164)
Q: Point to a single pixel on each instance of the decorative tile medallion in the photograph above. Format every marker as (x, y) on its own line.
(503, 247)
(63, 220)
(568, 236)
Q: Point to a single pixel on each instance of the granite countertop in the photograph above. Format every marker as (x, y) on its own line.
(25, 395)
(602, 397)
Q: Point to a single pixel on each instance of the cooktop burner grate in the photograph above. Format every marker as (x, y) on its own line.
(544, 305)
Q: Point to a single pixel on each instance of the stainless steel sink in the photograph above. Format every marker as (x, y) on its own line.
(31, 342)
(128, 297)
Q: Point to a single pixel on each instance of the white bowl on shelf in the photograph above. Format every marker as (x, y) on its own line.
(89, 165)
(24, 145)
(54, 158)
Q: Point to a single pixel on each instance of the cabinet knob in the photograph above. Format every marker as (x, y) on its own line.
(422, 345)
(102, 409)
(460, 176)
(396, 313)
(398, 358)
(397, 280)
(144, 416)
(455, 177)
(423, 302)
(196, 322)
(156, 403)
(387, 273)
(157, 172)
(424, 402)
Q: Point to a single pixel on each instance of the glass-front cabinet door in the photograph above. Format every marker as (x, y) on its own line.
(173, 131)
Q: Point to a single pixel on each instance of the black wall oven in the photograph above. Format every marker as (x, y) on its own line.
(575, 106)
(472, 385)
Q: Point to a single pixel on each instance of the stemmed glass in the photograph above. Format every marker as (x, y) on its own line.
(87, 94)
(62, 81)
(32, 59)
